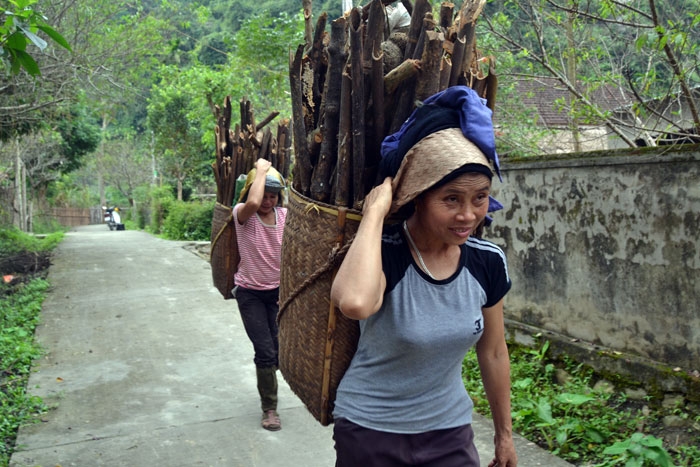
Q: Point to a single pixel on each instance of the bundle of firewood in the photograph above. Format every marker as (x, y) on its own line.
(353, 87)
(238, 149)
(236, 153)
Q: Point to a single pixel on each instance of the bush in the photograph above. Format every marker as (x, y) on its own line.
(161, 200)
(13, 241)
(189, 221)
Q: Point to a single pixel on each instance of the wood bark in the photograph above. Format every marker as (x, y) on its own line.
(374, 32)
(284, 141)
(317, 58)
(428, 81)
(414, 29)
(491, 85)
(468, 14)
(446, 14)
(267, 120)
(457, 59)
(358, 106)
(407, 70)
(374, 83)
(343, 182)
(308, 27)
(302, 167)
(321, 179)
(378, 110)
(445, 71)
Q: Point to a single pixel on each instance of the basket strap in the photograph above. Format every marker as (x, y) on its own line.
(221, 231)
(334, 258)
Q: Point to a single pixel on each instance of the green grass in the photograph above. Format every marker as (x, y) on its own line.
(558, 406)
(20, 307)
(19, 316)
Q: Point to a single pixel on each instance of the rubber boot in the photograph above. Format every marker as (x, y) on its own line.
(267, 387)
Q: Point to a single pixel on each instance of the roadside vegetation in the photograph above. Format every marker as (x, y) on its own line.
(569, 410)
(24, 260)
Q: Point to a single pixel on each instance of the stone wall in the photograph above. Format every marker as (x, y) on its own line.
(603, 247)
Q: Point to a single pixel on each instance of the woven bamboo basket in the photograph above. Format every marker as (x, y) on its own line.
(316, 342)
(224, 256)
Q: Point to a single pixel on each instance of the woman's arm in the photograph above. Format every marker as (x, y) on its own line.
(358, 287)
(494, 363)
(255, 192)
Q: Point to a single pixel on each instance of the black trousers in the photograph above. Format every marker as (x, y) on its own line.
(259, 314)
(356, 445)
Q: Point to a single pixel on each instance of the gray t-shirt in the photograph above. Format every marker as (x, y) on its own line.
(406, 376)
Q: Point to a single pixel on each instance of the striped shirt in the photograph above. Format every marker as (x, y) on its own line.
(260, 247)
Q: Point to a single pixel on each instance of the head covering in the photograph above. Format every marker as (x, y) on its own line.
(274, 183)
(451, 130)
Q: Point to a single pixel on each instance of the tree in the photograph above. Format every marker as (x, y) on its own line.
(127, 164)
(178, 133)
(642, 49)
(266, 42)
(80, 134)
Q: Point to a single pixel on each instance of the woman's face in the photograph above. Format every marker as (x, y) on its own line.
(269, 201)
(453, 211)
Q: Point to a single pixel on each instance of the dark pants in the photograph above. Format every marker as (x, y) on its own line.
(259, 314)
(355, 446)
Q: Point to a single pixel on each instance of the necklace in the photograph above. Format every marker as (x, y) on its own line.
(415, 248)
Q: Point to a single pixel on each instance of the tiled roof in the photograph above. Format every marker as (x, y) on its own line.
(544, 95)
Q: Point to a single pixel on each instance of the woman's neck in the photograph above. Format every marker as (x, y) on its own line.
(269, 218)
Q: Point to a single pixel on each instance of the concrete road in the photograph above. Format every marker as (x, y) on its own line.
(148, 366)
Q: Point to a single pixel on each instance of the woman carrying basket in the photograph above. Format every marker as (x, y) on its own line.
(425, 290)
(259, 220)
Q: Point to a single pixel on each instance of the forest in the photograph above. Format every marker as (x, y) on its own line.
(113, 103)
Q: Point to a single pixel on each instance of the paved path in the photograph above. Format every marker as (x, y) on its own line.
(148, 366)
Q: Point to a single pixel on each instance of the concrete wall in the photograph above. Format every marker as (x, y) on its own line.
(603, 247)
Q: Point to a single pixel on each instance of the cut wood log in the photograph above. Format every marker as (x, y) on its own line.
(343, 183)
(358, 106)
(422, 7)
(322, 177)
(407, 70)
(301, 178)
(428, 81)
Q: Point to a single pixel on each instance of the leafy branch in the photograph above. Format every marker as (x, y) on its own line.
(18, 30)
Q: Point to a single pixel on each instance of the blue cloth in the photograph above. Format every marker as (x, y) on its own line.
(455, 107)
(468, 112)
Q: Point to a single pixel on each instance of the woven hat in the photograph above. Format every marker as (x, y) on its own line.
(430, 160)
(274, 183)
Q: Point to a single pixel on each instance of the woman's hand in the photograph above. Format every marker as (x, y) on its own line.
(358, 287)
(505, 454)
(379, 199)
(262, 165)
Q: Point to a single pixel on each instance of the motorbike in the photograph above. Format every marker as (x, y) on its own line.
(113, 218)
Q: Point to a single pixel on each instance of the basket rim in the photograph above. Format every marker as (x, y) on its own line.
(311, 204)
